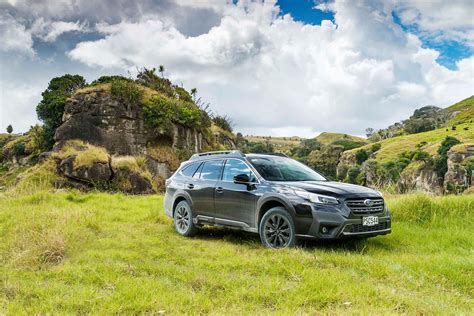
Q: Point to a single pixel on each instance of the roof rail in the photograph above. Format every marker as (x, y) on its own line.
(233, 153)
(278, 154)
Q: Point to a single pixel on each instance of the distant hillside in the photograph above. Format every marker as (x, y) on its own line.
(327, 138)
(462, 112)
(427, 161)
(252, 143)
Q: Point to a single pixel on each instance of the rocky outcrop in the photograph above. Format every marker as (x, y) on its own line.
(419, 176)
(99, 118)
(460, 161)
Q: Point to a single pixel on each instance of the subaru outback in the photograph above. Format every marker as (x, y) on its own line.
(272, 195)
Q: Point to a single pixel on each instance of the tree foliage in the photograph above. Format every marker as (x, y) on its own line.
(51, 108)
(9, 129)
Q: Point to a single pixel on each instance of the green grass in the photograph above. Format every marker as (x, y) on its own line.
(463, 110)
(67, 252)
(326, 138)
(393, 147)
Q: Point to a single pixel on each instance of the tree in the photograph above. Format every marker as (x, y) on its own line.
(9, 129)
(51, 108)
(361, 155)
(441, 162)
(161, 70)
(369, 131)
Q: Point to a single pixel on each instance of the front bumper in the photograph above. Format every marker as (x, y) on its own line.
(334, 225)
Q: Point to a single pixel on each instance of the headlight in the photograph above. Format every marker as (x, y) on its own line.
(312, 197)
(317, 198)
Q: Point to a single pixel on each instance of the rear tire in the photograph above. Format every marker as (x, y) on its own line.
(183, 219)
(277, 229)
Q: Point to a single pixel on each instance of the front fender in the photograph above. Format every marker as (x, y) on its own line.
(273, 197)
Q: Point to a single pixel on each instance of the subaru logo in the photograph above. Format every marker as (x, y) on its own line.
(368, 202)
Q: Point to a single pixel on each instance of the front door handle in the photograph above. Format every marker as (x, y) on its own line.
(219, 189)
(190, 186)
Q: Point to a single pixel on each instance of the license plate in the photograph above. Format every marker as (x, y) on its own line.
(370, 220)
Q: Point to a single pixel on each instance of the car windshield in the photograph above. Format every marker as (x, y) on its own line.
(284, 169)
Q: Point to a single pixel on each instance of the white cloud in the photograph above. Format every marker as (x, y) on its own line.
(49, 31)
(280, 75)
(440, 20)
(17, 105)
(14, 36)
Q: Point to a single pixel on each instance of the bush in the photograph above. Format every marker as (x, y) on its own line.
(109, 79)
(18, 149)
(361, 155)
(158, 111)
(421, 156)
(375, 147)
(348, 144)
(353, 175)
(127, 90)
(223, 122)
(441, 162)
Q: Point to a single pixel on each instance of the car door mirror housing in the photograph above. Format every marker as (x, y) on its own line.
(242, 178)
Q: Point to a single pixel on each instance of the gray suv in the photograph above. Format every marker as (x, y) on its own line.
(272, 195)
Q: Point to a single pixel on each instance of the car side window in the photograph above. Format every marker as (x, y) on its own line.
(190, 169)
(211, 170)
(234, 167)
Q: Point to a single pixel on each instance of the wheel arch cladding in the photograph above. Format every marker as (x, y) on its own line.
(177, 200)
(270, 203)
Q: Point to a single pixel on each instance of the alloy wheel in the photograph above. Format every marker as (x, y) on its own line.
(277, 231)
(183, 219)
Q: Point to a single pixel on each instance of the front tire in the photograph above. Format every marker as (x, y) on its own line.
(277, 229)
(183, 219)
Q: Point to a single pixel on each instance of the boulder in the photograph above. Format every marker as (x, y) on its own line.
(97, 172)
(132, 182)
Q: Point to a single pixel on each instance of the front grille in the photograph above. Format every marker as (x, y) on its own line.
(359, 228)
(359, 206)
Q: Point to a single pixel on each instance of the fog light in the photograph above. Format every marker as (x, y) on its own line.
(324, 229)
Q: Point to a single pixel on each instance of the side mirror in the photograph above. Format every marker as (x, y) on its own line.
(242, 178)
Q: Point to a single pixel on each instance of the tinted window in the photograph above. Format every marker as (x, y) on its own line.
(234, 167)
(211, 170)
(190, 169)
(284, 169)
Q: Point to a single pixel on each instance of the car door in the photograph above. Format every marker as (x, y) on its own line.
(236, 201)
(202, 188)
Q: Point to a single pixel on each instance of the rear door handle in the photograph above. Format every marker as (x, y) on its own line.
(190, 186)
(219, 189)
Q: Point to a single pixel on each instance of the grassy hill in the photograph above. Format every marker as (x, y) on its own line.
(462, 118)
(99, 253)
(326, 138)
(463, 111)
(393, 147)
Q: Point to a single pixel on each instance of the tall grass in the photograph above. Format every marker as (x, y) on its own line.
(70, 253)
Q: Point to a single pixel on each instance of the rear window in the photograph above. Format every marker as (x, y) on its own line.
(190, 169)
(211, 170)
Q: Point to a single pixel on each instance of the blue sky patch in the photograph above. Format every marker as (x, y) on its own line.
(303, 11)
(449, 51)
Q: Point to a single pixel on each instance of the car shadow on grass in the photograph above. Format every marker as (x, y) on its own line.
(238, 237)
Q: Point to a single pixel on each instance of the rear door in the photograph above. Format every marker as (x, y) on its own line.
(235, 201)
(203, 187)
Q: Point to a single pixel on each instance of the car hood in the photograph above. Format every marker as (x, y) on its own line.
(334, 188)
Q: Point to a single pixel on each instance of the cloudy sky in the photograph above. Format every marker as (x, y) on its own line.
(293, 67)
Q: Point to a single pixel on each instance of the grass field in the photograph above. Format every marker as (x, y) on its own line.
(98, 253)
